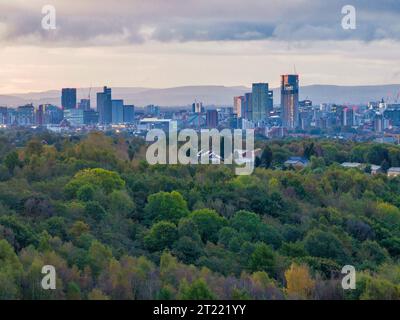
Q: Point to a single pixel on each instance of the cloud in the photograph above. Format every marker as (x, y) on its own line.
(100, 22)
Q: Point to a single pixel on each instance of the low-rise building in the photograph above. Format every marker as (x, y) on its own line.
(353, 165)
(296, 162)
(393, 172)
(376, 169)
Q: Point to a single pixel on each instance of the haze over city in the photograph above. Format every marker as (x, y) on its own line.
(161, 44)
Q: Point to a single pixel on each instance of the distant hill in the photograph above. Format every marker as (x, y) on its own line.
(212, 95)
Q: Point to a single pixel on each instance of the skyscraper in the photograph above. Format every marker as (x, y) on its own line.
(84, 104)
(117, 107)
(261, 101)
(212, 119)
(347, 117)
(197, 107)
(129, 113)
(40, 115)
(248, 109)
(237, 105)
(104, 106)
(26, 115)
(290, 101)
(68, 98)
(52, 114)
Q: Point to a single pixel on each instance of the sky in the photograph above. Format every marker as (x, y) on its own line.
(168, 43)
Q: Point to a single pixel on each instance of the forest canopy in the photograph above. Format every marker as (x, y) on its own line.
(115, 227)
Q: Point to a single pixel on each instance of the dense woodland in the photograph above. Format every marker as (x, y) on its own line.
(116, 228)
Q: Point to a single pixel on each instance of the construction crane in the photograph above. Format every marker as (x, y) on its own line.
(90, 90)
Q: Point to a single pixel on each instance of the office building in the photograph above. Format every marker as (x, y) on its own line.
(52, 114)
(117, 107)
(129, 113)
(238, 105)
(197, 107)
(290, 101)
(26, 115)
(262, 102)
(68, 98)
(212, 118)
(393, 115)
(152, 110)
(74, 117)
(40, 115)
(90, 117)
(347, 117)
(104, 106)
(3, 115)
(84, 104)
(248, 110)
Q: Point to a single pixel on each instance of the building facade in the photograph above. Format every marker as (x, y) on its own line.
(68, 98)
(290, 101)
(104, 106)
(261, 101)
(117, 111)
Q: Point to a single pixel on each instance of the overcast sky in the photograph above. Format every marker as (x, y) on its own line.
(166, 43)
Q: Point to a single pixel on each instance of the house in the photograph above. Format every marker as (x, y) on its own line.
(393, 172)
(296, 162)
(353, 165)
(376, 169)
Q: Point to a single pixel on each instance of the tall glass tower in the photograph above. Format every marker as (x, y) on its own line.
(68, 98)
(104, 106)
(261, 101)
(290, 101)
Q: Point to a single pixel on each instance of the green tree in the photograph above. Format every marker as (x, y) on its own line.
(168, 206)
(86, 192)
(262, 259)
(119, 202)
(198, 290)
(104, 179)
(10, 272)
(324, 244)
(266, 158)
(208, 223)
(161, 236)
(11, 161)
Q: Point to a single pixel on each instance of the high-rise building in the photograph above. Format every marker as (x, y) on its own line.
(84, 104)
(248, 109)
(261, 101)
(52, 114)
(212, 118)
(26, 115)
(104, 106)
(90, 117)
(117, 111)
(152, 110)
(129, 113)
(197, 107)
(40, 115)
(238, 105)
(12, 116)
(393, 115)
(3, 115)
(347, 117)
(378, 123)
(290, 101)
(68, 98)
(74, 117)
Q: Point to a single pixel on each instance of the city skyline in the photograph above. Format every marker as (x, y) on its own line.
(135, 44)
